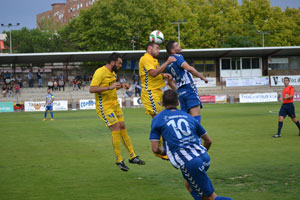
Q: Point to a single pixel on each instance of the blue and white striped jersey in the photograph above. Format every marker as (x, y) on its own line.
(49, 98)
(181, 135)
(180, 75)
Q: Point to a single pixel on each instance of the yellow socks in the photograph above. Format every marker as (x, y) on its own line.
(116, 145)
(127, 143)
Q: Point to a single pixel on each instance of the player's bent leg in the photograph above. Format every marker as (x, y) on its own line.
(116, 133)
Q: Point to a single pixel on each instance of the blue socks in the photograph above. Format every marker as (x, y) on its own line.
(198, 118)
(280, 124)
(223, 198)
(52, 115)
(45, 115)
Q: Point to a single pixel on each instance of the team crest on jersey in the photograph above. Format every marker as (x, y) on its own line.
(111, 115)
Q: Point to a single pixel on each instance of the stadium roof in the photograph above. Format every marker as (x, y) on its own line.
(66, 57)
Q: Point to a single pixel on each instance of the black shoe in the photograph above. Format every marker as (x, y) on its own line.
(122, 166)
(276, 136)
(137, 160)
(299, 134)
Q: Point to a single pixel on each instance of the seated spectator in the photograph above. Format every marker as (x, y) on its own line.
(55, 85)
(129, 91)
(19, 80)
(50, 84)
(4, 90)
(17, 89)
(10, 92)
(61, 84)
(75, 84)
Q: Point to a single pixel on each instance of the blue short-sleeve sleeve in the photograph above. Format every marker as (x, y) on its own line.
(155, 133)
(179, 60)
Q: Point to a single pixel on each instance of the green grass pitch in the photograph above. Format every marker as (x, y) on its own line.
(72, 158)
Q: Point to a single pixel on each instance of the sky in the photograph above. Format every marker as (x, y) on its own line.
(25, 11)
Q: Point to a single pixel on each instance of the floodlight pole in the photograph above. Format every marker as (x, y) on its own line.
(179, 21)
(263, 36)
(10, 40)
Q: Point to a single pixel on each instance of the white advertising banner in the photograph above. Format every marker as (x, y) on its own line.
(221, 98)
(85, 104)
(243, 81)
(137, 101)
(259, 97)
(30, 106)
(278, 80)
(212, 82)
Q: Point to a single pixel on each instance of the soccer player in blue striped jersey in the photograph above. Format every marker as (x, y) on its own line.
(49, 105)
(181, 135)
(183, 74)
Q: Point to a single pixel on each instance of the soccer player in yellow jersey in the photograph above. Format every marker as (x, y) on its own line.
(105, 87)
(152, 79)
(151, 76)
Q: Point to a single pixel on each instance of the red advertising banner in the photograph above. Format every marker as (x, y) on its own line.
(208, 99)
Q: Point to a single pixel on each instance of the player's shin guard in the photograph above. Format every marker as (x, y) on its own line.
(198, 118)
(117, 145)
(280, 124)
(127, 143)
(52, 115)
(45, 115)
(223, 198)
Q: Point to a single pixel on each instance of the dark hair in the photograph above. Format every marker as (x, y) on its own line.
(170, 98)
(169, 46)
(286, 78)
(150, 44)
(114, 57)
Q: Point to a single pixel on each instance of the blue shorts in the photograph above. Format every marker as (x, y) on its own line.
(188, 97)
(287, 109)
(49, 108)
(194, 172)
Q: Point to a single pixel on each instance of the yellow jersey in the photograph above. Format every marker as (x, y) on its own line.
(104, 78)
(148, 82)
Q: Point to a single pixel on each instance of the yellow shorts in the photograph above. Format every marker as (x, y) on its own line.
(111, 115)
(152, 101)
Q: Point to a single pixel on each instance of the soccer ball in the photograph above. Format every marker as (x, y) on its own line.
(156, 37)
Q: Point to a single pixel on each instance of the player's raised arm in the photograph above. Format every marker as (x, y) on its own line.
(193, 71)
(155, 72)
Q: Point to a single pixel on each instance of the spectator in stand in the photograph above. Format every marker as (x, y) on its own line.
(138, 89)
(135, 78)
(129, 91)
(78, 77)
(2, 78)
(30, 79)
(61, 76)
(19, 81)
(40, 80)
(75, 84)
(78, 83)
(50, 84)
(17, 89)
(10, 92)
(61, 84)
(55, 84)
(4, 90)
